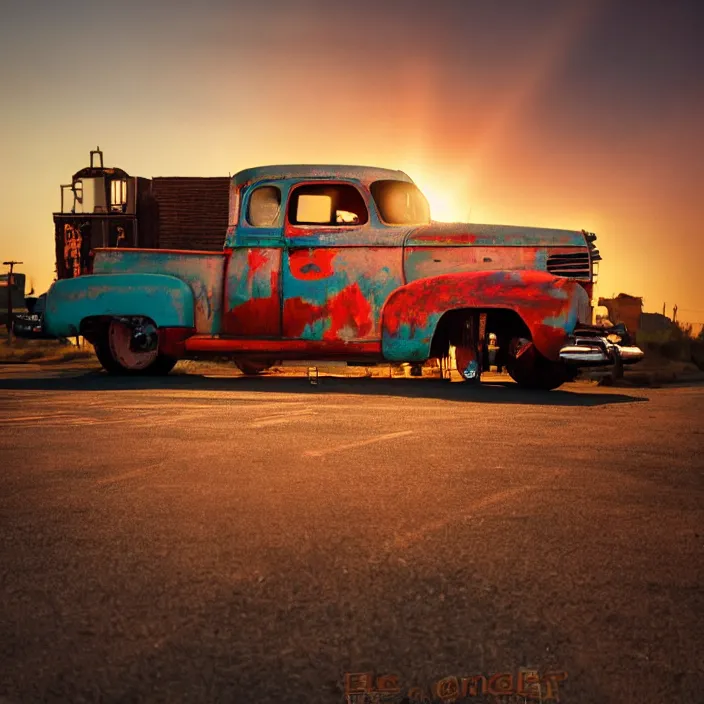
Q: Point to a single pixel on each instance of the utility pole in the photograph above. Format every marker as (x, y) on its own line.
(10, 283)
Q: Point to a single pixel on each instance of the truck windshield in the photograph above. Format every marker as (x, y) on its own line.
(400, 203)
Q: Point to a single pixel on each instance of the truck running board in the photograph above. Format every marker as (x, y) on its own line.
(282, 349)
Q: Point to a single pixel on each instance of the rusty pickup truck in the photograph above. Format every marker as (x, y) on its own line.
(344, 263)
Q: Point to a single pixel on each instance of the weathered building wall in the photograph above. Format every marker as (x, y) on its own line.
(192, 212)
(106, 207)
(624, 309)
(147, 210)
(73, 241)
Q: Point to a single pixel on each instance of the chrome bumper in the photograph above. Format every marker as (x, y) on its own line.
(598, 351)
(30, 327)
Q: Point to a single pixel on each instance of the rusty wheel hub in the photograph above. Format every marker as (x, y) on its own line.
(128, 346)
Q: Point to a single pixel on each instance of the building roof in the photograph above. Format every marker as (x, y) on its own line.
(365, 174)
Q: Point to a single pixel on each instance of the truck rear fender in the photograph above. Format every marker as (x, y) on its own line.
(166, 300)
(550, 306)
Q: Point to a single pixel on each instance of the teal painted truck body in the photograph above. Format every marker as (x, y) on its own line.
(203, 273)
(166, 300)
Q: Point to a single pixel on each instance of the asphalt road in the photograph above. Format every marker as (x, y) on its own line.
(232, 540)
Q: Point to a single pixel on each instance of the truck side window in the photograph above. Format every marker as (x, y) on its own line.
(327, 204)
(264, 208)
(400, 203)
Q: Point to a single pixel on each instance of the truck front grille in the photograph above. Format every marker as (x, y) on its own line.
(573, 266)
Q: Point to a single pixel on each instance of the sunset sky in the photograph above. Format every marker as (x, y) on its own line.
(561, 113)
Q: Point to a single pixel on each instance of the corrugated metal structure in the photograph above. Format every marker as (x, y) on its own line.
(106, 207)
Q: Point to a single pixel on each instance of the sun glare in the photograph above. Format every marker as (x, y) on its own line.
(443, 206)
(447, 197)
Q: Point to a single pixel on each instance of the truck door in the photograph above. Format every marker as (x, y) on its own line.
(253, 277)
(339, 265)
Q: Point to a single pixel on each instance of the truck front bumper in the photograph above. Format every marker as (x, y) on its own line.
(595, 347)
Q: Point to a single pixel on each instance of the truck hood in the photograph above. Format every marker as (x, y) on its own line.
(451, 234)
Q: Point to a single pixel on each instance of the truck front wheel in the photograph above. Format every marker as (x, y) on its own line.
(117, 349)
(531, 370)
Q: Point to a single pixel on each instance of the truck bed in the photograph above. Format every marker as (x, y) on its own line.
(203, 272)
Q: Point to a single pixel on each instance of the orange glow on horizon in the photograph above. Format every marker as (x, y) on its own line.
(447, 194)
(443, 207)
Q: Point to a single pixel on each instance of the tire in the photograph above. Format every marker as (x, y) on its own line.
(252, 367)
(162, 365)
(531, 370)
(111, 349)
(108, 363)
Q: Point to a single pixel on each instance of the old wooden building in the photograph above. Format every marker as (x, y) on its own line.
(106, 207)
(624, 309)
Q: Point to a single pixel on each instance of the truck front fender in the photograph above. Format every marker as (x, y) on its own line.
(168, 301)
(549, 305)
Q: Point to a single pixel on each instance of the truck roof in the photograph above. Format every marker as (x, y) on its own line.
(365, 174)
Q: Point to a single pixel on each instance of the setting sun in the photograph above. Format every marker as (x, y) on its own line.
(448, 196)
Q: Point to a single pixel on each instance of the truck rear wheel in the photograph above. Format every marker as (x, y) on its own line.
(531, 370)
(116, 353)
